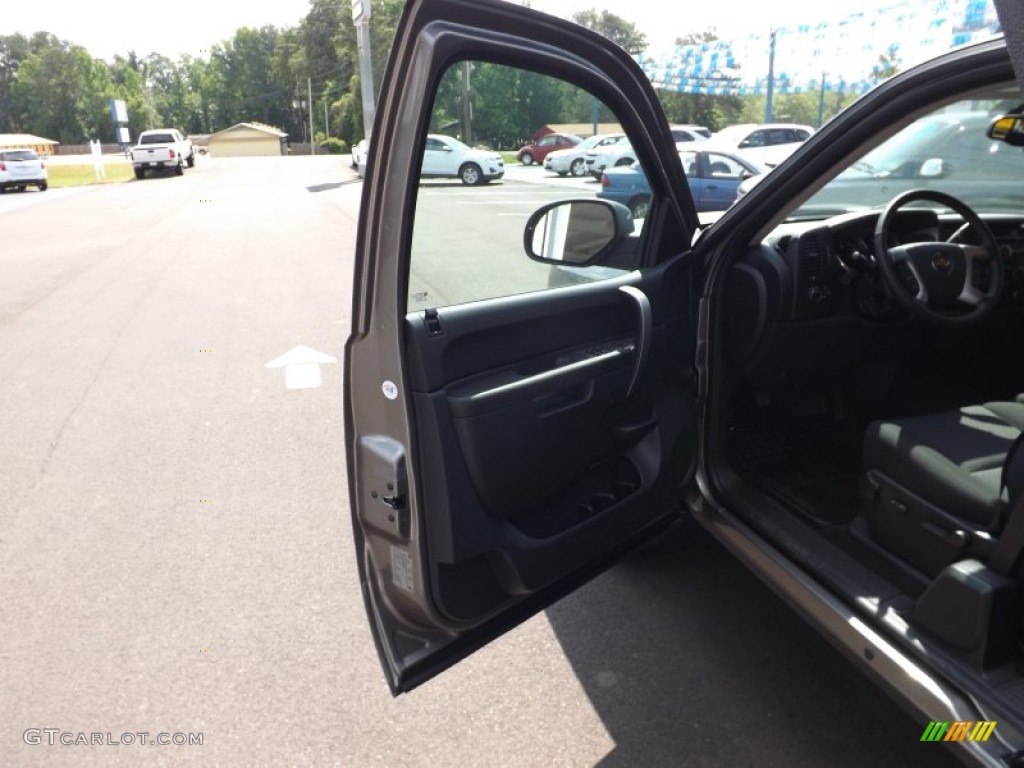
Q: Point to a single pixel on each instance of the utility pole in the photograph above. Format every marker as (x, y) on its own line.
(771, 77)
(821, 100)
(361, 19)
(312, 138)
(467, 104)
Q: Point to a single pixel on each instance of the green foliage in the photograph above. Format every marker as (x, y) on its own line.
(335, 146)
(55, 89)
(509, 105)
(621, 32)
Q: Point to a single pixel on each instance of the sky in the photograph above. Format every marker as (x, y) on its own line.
(105, 31)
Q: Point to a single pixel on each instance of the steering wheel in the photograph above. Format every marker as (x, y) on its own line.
(937, 281)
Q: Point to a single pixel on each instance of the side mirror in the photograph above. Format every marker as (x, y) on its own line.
(932, 168)
(576, 232)
(1008, 129)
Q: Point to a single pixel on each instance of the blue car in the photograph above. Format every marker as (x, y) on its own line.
(714, 178)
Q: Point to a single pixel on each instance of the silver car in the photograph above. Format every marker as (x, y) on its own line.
(574, 159)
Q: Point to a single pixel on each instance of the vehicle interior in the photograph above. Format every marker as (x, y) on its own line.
(870, 397)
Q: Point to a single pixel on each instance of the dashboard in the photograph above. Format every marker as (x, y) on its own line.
(811, 287)
(832, 266)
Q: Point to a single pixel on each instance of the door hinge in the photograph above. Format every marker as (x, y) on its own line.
(433, 321)
(383, 485)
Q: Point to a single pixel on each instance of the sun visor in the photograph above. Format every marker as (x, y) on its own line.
(1011, 17)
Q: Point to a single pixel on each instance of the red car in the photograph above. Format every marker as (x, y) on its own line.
(536, 152)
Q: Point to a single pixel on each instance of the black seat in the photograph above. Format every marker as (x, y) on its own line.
(936, 488)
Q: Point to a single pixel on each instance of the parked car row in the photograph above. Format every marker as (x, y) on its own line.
(764, 145)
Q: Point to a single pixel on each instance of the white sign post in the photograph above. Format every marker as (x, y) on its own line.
(97, 159)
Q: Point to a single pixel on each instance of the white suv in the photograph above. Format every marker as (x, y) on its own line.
(445, 157)
(685, 135)
(768, 144)
(21, 168)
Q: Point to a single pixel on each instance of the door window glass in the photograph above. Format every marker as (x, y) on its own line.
(474, 199)
(723, 167)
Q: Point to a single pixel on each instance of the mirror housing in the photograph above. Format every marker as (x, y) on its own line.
(576, 232)
(1008, 129)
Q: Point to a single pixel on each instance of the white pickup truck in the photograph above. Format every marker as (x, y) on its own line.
(162, 148)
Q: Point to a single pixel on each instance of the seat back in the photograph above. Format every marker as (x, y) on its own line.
(1013, 470)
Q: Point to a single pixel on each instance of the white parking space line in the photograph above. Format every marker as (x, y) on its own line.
(531, 201)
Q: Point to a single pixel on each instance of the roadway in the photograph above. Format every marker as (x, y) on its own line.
(175, 551)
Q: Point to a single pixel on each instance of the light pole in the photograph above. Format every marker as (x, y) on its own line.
(312, 136)
(467, 104)
(821, 99)
(361, 19)
(149, 103)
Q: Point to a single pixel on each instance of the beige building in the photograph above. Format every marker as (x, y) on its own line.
(247, 140)
(38, 144)
(580, 129)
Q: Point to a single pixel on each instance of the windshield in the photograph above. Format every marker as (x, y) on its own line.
(734, 133)
(946, 150)
(22, 154)
(591, 142)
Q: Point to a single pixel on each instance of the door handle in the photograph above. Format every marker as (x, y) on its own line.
(645, 326)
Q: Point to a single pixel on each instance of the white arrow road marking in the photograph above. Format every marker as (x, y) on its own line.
(301, 367)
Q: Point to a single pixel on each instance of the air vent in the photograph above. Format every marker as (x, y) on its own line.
(810, 256)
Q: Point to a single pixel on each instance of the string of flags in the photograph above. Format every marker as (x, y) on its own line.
(842, 54)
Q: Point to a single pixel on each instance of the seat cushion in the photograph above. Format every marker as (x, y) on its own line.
(953, 460)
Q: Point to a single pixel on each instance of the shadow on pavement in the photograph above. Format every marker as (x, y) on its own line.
(332, 185)
(689, 660)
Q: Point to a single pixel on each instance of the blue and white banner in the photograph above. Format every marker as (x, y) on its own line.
(840, 54)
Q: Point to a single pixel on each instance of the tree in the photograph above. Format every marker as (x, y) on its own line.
(348, 108)
(59, 92)
(888, 64)
(14, 49)
(621, 32)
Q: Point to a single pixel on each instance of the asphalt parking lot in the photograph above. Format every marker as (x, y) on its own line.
(175, 544)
